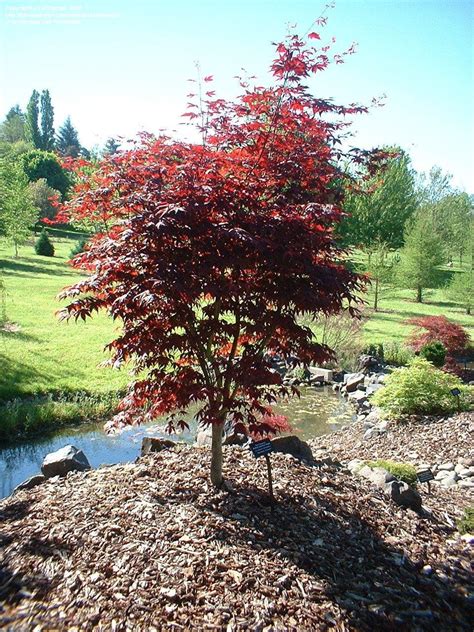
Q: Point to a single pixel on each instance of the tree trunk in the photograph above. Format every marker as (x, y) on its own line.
(376, 297)
(216, 458)
(468, 310)
(419, 295)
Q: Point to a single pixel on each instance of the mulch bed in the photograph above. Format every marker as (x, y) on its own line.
(151, 546)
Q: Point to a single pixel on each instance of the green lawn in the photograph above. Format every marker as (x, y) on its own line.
(396, 306)
(44, 356)
(40, 356)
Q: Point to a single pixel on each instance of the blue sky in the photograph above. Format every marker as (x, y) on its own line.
(117, 67)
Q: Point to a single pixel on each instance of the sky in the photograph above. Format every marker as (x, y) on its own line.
(118, 67)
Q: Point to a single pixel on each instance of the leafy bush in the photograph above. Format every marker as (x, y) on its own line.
(421, 388)
(44, 246)
(438, 328)
(434, 352)
(403, 471)
(44, 199)
(396, 354)
(466, 523)
(78, 248)
(375, 349)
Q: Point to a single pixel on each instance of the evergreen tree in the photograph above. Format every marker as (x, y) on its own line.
(111, 147)
(421, 256)
(33, 134)
(12, 129)
(47, 120)
(44, 246)
(67, 140)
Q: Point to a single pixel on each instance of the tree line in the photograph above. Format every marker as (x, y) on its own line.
(33, 180)
(408, 229)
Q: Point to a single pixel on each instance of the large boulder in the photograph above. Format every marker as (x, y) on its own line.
(31, 482)
(352, 381)
(294, 446)
(318, 372)
(377, 475)
(404, 495)
(64, 460)
(156, 444)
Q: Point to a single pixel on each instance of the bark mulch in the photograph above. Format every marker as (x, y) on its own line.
(151, 546)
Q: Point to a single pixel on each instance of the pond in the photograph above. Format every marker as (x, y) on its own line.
(316, 412)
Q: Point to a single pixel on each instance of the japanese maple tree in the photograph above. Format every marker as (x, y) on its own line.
(211, 251)
(438, 329)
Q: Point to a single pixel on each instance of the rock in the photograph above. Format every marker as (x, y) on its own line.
(382, 425)
(370, 433)
(336, 387)
(353, 380)
(441, 475)
(325, 374)
(467, 462)
(354, 465)
(235, 438)
(377, 475)
(64, 460)
(404, 495)
(156, 444)
(357, 397)
(466, 483)
(427, 570)
(294, 446)
(373, 417)
(449, 480)
(204, 437)
(368, 363)
(31, 482)
(373, 388)
(448, 467)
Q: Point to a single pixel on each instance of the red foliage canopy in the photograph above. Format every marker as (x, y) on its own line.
(210, 252)
(440, 328)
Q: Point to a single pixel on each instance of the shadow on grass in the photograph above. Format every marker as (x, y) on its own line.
(375, 584)
(22, 268)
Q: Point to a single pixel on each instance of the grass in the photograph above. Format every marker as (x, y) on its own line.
(466, 523)
(47, 363)
(402, 471)
(40, 356)
(397, 305)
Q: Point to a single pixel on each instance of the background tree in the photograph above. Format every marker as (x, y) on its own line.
(380, 269)
(215, 250)
(111, 147)
(421, 257)
(47, 122)
(44, 198)
(376, 219)
(68, 140)
(39, 164)
(452, 219)
(12, 129)
(32, 128)
(461, 289)
(17, 213)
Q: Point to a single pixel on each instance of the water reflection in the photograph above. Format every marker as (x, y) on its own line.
(317, 412)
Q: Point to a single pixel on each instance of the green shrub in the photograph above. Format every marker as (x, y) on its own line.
(403, 471)
(44, 246)
(375, 349)
(421, 388)
(434, 352)
(396, 354)
(78, 248)
(466, 523)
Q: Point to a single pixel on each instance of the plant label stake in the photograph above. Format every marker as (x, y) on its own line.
(264, 448)
(456, 392)
(425, 476)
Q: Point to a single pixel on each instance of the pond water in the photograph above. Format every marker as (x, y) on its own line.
(316, 412)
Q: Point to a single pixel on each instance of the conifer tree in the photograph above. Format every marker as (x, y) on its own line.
(33, 134)
(68, 140)
(47, 121)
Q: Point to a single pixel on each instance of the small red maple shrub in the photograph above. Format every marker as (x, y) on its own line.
(211, 252)
(438, 328)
